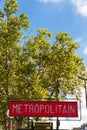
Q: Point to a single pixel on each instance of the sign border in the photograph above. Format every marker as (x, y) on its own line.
(45, 102)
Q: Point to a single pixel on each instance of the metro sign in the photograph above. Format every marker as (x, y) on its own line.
(43, 108)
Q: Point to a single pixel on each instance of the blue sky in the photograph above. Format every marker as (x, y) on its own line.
(56, 16)
(59, 15)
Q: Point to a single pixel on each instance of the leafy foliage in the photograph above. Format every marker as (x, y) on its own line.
(11, 27)
(48, 70)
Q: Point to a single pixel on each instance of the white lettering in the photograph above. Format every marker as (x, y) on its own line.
(36, 108)
(26, 107)
(20, 108)
(17, 108)
(71, 109)
(47, 109)
(51, 109)
(30, 109)
(64, 109)
(41, 108)
(59, 108)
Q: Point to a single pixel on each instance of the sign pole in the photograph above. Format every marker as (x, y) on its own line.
(85, 92)
(57, 92)
(28, 100)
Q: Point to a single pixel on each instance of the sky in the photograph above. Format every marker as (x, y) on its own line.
(57, 16)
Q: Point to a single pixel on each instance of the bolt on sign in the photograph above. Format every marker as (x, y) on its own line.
(43, 109)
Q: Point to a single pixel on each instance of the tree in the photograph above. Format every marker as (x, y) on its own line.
(34, 56)
(63, 67)
(57, 64)
(11, 34)
(49, 70)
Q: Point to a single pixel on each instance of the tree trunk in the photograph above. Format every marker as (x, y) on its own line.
(57, 92)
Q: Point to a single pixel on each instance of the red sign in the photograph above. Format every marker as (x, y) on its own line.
(42, 108)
